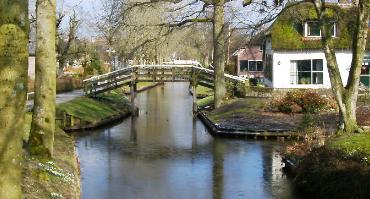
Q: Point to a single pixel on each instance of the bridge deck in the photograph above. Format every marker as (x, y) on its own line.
(153, 73)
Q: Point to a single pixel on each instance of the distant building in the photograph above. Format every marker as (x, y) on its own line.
(249, 59)
(293, 56)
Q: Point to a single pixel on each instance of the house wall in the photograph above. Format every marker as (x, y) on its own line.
(249, 53)
(282, 66)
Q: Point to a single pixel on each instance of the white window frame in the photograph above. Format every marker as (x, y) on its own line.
(306, 30)
(294, 72)
(256, 66)
(365, 63)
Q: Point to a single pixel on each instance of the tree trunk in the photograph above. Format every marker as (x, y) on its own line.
(14, 28)
(219, 51)
(43, 119)
(346, 97)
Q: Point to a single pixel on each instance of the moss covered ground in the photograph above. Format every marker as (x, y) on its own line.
(56, 178)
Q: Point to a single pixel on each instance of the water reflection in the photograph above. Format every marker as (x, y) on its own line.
(218, 169)
(165, 153)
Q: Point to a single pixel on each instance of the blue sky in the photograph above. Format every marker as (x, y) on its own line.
(87, 11)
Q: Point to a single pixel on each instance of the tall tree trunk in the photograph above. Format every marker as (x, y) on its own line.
(14, 28)
(346, 97)
(43, 119)
(219, 51)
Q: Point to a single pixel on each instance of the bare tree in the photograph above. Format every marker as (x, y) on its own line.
(346, 95)
(64, 44)
(43, 119)
(183, 13)
(14, 31)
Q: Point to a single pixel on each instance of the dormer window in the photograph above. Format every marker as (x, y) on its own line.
(312, 29)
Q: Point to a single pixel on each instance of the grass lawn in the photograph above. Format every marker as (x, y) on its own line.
(235, 107)
(203, 92)
(357, 143)
(92, 110)
(207, 101)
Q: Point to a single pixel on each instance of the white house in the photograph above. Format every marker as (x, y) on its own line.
(293, 55)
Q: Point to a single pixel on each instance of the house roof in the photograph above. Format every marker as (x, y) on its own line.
(286, 31)
(255, 40)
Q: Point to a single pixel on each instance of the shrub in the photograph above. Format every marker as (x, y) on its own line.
(65, 84)
(302, 101)
(236, 89)
(328, 173)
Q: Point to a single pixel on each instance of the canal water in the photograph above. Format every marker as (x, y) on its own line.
(166, 154)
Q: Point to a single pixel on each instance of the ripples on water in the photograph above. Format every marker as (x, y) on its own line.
(165, 153)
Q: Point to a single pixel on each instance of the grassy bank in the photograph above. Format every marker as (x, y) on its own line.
(207, 101)
(57, 178)
(352, 145)
(237, 107)
(329, 165)
(338, 169)
(203, 92)
(92, 111)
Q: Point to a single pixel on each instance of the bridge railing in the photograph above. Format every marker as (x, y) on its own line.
(163, 73)
(107, 81)
(154, 73)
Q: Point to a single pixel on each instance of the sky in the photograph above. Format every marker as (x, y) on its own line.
(87, 11)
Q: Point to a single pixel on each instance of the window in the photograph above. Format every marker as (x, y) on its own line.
(365, 72)
(244, 65)
(308, 71)
(312, 29)
(259, 66)
(251, 65)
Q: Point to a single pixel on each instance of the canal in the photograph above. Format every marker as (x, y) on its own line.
(165, 154)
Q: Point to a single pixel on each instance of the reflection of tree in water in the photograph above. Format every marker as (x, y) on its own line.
(133, 133)
(109, 159)
(273, 174)
(194, 140)
(218, 168)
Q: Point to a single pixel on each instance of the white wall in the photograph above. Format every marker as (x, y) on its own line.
(282, 61)
(31, 67)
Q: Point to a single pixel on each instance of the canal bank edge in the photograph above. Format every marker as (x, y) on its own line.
(89, 113)
(237, 133)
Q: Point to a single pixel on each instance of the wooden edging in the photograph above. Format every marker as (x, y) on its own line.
(98, 124)
(226, 132)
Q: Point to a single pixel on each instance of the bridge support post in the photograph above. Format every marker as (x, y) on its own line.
(132, 98)
(133, 93)
(195, 105)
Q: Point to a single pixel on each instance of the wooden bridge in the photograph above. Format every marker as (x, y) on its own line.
(193, 73)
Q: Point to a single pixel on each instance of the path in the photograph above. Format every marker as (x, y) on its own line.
(61, 98)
